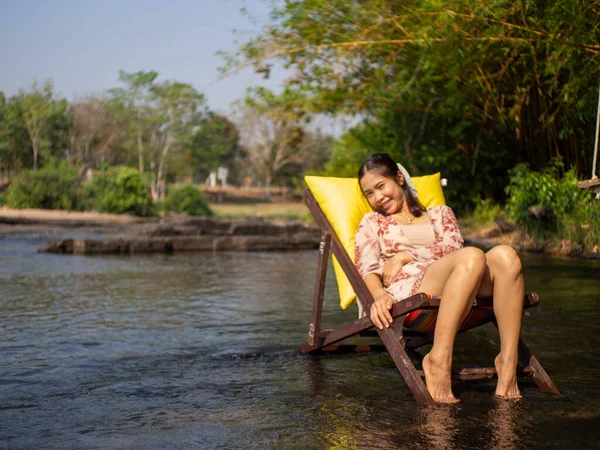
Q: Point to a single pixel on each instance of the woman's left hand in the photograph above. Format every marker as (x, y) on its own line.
(394, 265)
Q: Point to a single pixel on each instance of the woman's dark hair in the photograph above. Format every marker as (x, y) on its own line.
(387, 167)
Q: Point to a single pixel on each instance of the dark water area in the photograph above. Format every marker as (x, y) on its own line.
(202, 351)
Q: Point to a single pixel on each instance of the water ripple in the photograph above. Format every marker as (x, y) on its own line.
(201, 351)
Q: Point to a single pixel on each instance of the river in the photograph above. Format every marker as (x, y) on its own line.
(202, 351)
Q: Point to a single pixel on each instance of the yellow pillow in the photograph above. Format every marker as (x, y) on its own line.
(344, 205)
(430, 190)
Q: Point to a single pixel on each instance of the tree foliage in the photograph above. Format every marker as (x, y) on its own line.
(479, 85)
(33, 127)
(271, 133)
(159, 119)
(93, 133)
(215, 143)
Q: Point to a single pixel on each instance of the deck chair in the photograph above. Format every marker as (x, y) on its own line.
(330, 198)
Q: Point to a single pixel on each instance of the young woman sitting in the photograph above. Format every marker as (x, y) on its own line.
(402, 249)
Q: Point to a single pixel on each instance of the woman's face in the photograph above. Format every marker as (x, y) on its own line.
(384, 194)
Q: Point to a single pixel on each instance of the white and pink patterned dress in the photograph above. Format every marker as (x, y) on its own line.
(380, 237)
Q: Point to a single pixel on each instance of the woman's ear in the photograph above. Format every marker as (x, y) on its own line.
(400, 178)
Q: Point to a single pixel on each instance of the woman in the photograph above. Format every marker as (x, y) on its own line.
(402, 249)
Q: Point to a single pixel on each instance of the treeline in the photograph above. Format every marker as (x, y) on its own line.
(163, 129)
(493, 95)
(467, 87)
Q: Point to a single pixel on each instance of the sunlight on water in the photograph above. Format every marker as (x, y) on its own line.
(201, 351)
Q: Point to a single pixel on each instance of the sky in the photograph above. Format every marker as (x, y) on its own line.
(82, 44)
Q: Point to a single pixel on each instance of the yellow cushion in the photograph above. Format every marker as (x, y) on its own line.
(344, 205)
(430, 190)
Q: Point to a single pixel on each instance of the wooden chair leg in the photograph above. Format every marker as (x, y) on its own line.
(539, 375)
(315, 324)
(405, 366)
(530, 364)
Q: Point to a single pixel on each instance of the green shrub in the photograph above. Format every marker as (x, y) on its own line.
(52, 187)
(574, 212)
(118, 190)
(187, 200)
(544, 189)
(485, 212)
(580, 227)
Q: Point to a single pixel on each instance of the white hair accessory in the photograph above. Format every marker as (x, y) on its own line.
(408, 181)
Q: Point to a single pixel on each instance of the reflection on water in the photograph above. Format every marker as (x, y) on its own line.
(503, 421)
(439, 426)
(201, 351)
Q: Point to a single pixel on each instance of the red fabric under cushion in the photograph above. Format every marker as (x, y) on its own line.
(423, 320)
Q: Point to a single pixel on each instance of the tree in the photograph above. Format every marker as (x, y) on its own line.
(13, 136)
(178, 109)
(93, 132)
(270, 134)
(33, 128)
(37, 107)
(161, 116)
(215, 143)
(132, 106)
(489, 82)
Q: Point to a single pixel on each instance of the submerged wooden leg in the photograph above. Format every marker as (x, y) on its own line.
(539, 375)
(406, 367)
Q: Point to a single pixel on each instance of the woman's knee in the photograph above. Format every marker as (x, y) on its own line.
(472, 260)
(503, 259)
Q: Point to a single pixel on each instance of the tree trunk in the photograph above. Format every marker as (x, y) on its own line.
(153, 187)
(35, 156)
(268, 188)
(161, 184)
(140, 153)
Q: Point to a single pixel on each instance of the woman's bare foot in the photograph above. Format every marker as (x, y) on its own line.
(507, 379)
(439, 381)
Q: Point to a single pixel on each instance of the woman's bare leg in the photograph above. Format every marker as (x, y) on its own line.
(456, 278)
(503, 278)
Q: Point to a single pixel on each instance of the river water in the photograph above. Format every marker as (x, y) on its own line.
(201, 351)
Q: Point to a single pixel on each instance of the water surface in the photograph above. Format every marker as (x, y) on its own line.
(201, 351)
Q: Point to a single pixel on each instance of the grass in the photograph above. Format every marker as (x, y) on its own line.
(287, 210)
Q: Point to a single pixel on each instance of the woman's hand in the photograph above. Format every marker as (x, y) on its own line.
(380, 309)
(394, 265)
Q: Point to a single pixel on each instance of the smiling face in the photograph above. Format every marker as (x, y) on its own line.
(384, 194)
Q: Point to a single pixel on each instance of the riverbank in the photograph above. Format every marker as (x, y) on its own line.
(488, 236)
(96, 233)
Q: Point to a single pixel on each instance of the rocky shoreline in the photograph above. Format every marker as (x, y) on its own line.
(97, 233)
(179, 234)
(112, 234)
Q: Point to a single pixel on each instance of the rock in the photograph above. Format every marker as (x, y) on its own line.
(301, 241)
(181, 233)
(504, 226)
(541, 213)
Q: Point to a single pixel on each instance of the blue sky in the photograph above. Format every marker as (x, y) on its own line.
(82, 44)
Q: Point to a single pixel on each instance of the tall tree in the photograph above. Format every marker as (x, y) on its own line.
(93, 132)
(178, 109)
(13, 136)
(215, 143)
(37, 107)
(133, 106)
(270, 133)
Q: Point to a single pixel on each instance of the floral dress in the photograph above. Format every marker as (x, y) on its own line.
(380, 237)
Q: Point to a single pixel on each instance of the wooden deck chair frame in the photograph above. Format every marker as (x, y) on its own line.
(326, 339)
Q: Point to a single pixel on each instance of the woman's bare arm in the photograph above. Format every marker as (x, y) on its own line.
(380, 310)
